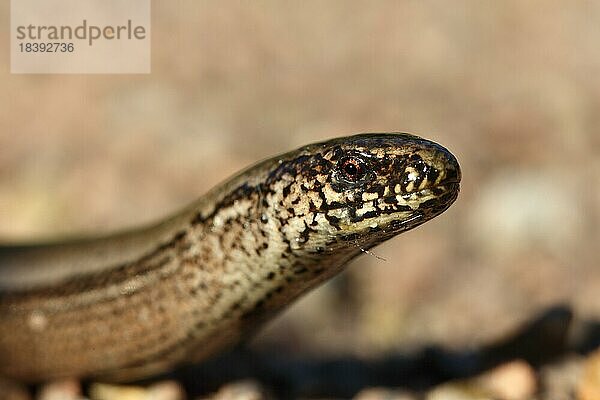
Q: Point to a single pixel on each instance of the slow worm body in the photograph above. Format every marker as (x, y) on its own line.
(144, 301)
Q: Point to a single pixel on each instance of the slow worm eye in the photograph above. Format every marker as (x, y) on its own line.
(353, 169)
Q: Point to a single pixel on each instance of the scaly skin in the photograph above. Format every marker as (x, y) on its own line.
(138, 303)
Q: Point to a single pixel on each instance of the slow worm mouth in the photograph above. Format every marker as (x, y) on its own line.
(448, 186)
(451, 186)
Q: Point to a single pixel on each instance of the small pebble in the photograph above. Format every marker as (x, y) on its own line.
(589, 385)
(68, 389)
(458, 391)
(166, 390)
(242, 390)
(515, 380)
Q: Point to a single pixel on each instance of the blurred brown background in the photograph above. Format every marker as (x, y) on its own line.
(511, 87)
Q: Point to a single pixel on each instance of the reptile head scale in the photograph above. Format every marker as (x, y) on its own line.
(361, 190)
(143, 301)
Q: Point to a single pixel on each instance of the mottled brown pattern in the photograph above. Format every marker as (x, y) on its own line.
(233, 259)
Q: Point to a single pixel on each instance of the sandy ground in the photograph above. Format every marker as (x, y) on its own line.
(511, 87)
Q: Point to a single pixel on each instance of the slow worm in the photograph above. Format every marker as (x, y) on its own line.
(144, 301)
